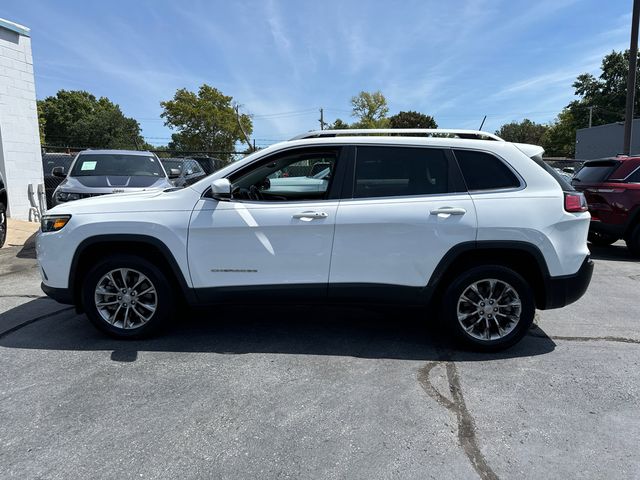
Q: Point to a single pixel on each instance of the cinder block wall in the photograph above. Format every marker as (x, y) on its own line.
(20, 157)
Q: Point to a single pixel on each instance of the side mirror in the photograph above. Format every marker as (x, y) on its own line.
(58, 172)
(174, 173)
(221, 189)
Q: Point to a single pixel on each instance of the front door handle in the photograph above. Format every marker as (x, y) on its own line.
(449, 211)
(310, 215)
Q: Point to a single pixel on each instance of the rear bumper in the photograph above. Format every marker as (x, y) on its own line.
(562, 291)
(60, 295)
(615, 230)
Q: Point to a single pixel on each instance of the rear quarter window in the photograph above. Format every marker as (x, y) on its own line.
(483, 171)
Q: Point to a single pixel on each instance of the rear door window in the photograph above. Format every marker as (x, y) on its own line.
(483, 171)
(400, 171)
(596, 172)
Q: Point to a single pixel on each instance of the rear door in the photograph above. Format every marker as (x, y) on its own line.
(405, 208)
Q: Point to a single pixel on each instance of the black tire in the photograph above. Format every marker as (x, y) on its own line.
(633, 241)
(165, 299)
(601, 239)
(449, 313)
(3, 223)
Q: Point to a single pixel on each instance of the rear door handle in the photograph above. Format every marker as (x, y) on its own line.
(310, 215)
(449, 211)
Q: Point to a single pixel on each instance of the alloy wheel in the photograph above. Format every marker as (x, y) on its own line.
(126, 298)
(489, 309)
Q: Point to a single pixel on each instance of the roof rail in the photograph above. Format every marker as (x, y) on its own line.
(430, 132)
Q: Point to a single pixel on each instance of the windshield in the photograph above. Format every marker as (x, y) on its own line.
(116, 165)
(595, 172)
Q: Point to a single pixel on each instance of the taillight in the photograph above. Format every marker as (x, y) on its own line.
(574, 202)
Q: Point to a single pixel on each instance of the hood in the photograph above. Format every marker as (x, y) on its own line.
(112, 181)
(112, 184)
(172, 199)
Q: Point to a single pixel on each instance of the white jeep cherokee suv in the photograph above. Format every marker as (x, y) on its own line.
(463, 221)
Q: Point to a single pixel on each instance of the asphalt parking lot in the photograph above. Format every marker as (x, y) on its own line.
(299, 392)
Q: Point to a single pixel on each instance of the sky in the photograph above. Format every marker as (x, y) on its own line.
(284, 60)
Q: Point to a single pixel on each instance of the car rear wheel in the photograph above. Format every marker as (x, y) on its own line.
(3, 224)
(127, 296)
(633, 241)
(488, 308)
(601, 239)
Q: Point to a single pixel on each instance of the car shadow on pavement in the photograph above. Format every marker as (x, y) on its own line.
(301, 330)
(618, 252)
(28, 250)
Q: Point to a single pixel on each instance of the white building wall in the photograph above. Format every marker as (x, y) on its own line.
(20, 157)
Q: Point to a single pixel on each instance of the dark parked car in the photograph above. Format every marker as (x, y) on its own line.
(3, 211)
(190, 170)
(612, 189)
(51, 181)
(210, 164)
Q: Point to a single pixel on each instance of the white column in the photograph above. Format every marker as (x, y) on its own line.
(20, 157)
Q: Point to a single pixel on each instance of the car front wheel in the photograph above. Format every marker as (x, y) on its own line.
(3, 224)
(488, 308)
(633, 241)
(601, 239)
(127, 296)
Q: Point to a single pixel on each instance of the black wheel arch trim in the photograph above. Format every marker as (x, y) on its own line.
(139, 239)
(558, 291)
(464, 247)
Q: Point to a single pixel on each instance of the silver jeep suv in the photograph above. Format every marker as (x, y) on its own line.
(99, 172)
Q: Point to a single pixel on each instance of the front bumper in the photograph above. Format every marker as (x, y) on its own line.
(60, 295)
(561, 291)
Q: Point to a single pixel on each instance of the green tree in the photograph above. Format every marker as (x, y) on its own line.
(560, 138)
(370, 109)
(604, 95)
(339, 125)
(205, 121)
(77, 118)
(525, 131)
(412, 119)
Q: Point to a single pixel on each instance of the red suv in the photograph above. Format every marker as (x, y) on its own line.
(612, 189)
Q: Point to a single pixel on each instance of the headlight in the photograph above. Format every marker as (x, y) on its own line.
(53, 223)
(67, 197)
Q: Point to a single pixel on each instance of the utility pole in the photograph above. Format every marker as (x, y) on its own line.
(590, 116)
(322, 119)
(631, 79)
(244, 134)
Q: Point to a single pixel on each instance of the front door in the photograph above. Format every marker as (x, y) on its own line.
(274, 235)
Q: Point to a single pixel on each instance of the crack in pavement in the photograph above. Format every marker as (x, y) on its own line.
(22, 296)
(466, 427)
(587, 339)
